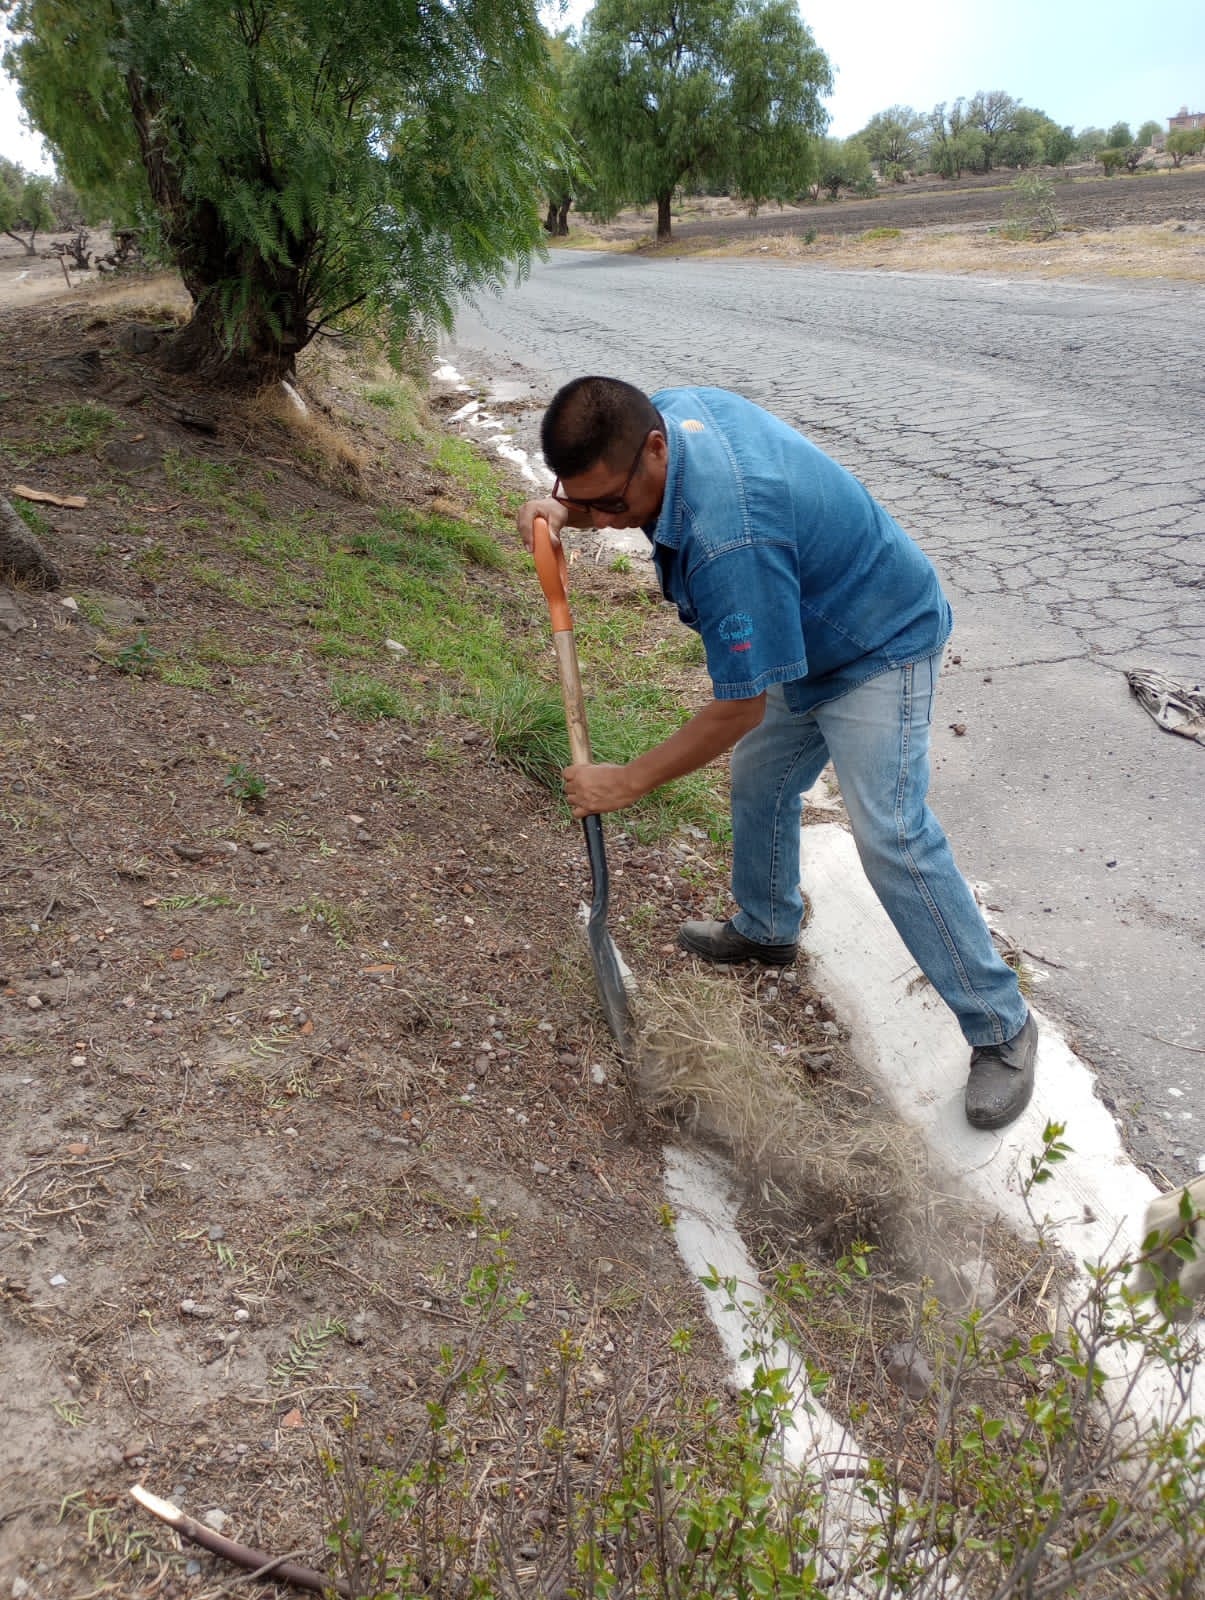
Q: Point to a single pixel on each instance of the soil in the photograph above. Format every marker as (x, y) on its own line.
(280, 1072)
(1149, 224)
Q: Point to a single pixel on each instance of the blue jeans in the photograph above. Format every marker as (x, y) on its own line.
(877, 736)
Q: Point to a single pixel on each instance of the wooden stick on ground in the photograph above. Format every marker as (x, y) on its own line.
(272, 1569)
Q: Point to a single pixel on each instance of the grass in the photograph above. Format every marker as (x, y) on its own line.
(71, 429)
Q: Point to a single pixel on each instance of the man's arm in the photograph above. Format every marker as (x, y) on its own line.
(716, 728)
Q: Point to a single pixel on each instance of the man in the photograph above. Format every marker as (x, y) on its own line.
(823, 625)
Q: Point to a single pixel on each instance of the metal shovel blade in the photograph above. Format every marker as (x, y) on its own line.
(609, 966)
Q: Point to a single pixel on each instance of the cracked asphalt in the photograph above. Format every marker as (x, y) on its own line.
(1043, 442)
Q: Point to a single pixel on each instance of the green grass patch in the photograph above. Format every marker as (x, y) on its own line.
(210, 482)
(367, 699)
(68, 430)
(31, 517)
(881, 233)
(186, 675)
(478, 478)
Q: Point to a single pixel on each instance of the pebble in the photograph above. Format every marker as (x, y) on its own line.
(261, 847)
(20, 1589)
(242, 1315)
(34, 1002)
(216, 1519)
(538, 1167)
(55, 969)
(830, 1029)
(217, 1231)
(58, 1281)
(598, 1074)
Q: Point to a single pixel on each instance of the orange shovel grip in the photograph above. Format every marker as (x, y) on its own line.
(553, 571)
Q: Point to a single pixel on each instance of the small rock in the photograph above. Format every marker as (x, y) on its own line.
(907, 1368)
(540, 1169)
(192, 1569)
(20, 1589)
(55, 969)
(396, 649)
(189, 852)
(58, 1281)
(598, 1074)
(217, 1231)
(242, 1315)
(958, 729)
(216, 1519)
(34, 1002)
(830, 1028)
(260, 847)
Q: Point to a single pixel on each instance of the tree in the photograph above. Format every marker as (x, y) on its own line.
(894, 137)
(1058, 145)
(723, 92)
(1119, 137)
(954, 143)
(1088, 141)
(1149, 133)
(843, 164)
(305, 166)
(1184, 142)
(24, 205)
(995, 115)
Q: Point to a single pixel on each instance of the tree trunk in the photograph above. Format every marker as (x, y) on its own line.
(562, 217)
(663, 200)
(259, 357)
(550, 227)
(258, 344)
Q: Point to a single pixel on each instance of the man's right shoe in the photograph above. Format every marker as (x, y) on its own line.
(720, 942)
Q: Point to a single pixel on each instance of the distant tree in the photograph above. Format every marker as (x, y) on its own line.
(1023, 144)
(843, 164)
(894, 137)
(669, 92)
(1119, 136)
(305, 166)
(1149, 133)
(1111, 160)
(955, 144)
(563, 179)
(1059, 145)
(1088, 141)
(24, 205)
(1184, 142)
(995, 116)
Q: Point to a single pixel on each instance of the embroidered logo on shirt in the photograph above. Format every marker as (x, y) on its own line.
(692, 425)
(738, 630)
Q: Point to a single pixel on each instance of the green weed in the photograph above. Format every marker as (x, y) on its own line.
(68, 430)
(246, 786)
(367, 699)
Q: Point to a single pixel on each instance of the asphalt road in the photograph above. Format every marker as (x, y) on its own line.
(1043, 442)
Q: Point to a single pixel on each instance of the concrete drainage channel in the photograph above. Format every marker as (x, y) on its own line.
(1093, 1205)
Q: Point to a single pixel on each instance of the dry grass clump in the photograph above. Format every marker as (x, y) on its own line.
(320, 441)
(814, 1151)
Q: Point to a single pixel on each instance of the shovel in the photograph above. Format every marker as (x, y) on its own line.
(609, 967)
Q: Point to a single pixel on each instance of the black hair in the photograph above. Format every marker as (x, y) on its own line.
(595, 419)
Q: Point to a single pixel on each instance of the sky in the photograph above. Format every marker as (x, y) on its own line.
(1089, 63)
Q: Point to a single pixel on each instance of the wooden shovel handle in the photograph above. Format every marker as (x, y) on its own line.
(553, 573)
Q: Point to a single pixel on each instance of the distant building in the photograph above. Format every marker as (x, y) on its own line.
(1187, 119)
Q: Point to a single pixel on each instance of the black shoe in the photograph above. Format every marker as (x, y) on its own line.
(719, 941)
(1001, 1079)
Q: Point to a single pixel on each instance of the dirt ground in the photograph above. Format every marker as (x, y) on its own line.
(1149, 225)
(276, 1078)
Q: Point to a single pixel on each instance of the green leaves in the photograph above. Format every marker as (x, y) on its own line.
(303, 164)
(723, 92)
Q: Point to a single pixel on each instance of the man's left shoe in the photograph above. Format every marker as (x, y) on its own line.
(1001, 1080)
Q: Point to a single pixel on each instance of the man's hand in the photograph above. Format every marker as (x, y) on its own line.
(554, 513)
(601, 787)
(597, 788)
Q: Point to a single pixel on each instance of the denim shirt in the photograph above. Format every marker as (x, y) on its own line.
(780, 560)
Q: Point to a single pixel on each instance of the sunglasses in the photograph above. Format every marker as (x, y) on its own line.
(610, 505)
